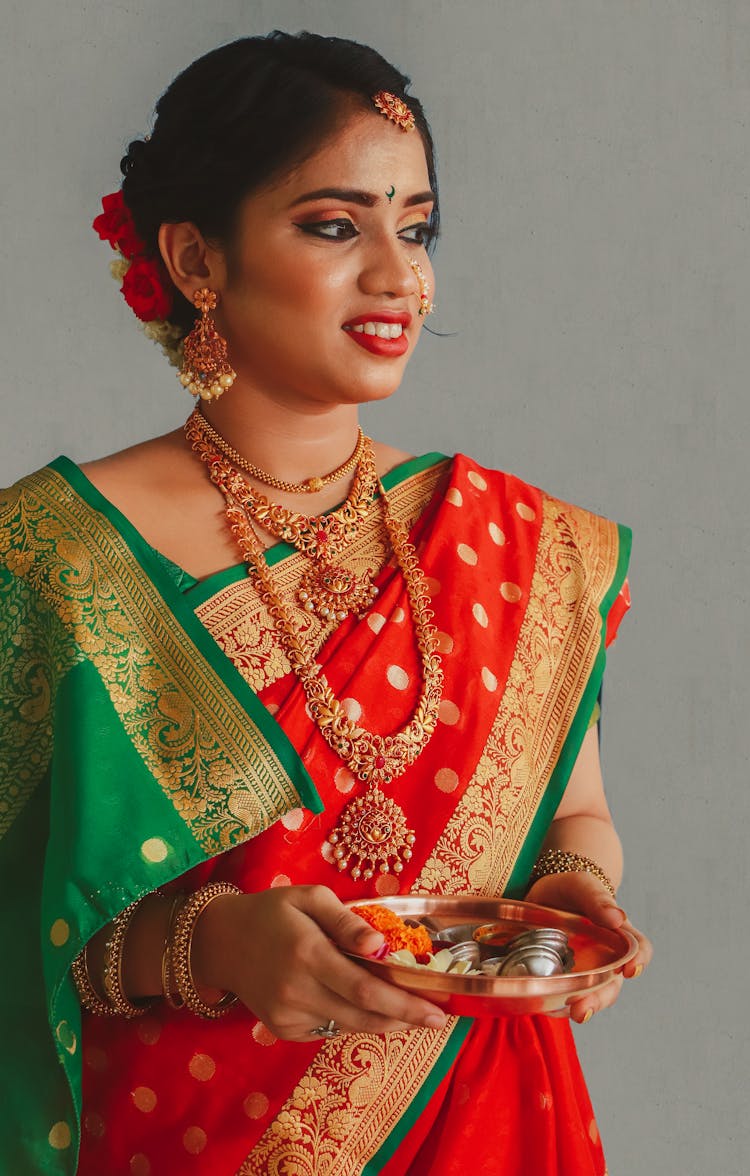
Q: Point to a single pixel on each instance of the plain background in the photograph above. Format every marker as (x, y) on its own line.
(594, 277)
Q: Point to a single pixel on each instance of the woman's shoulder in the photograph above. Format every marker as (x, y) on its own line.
(138, 464)
(389, 457)
(154, 485)
(523, 516)
(141, 468)
(146, 491)
(513, 491)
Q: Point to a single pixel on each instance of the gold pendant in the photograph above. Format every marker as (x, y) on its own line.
(333, 592)
(371, 831)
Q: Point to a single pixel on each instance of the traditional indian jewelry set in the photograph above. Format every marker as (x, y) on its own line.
(372, 835)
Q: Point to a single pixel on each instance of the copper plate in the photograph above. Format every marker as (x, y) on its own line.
(600, 954)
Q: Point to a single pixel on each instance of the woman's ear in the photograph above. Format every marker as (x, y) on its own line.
(191, 262)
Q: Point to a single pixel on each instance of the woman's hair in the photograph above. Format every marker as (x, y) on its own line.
(238, 117)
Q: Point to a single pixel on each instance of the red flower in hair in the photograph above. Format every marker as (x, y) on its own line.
(144, 290)
(116, 225)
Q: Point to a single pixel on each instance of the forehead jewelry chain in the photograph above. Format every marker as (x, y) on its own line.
(311, 486)
(371, 835)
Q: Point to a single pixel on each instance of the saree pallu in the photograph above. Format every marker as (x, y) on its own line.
(152, 731)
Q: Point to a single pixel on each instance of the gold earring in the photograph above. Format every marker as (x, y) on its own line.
(206, 371)
(425, 306)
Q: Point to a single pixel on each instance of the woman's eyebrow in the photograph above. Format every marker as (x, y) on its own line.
(356, 196)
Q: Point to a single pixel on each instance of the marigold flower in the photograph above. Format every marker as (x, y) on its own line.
(395, 931)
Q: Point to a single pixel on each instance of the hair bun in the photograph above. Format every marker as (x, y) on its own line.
(136, 157)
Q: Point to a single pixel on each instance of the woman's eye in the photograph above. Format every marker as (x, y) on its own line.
(419, 234)
(332, 230)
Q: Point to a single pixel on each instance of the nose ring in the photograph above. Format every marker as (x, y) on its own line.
(425, 306)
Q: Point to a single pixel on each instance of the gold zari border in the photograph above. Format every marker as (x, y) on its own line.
(557, 647)
(226, 785)
(358, 1086)
(347, 1103)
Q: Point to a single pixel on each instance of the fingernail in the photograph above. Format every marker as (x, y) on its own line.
(619, 910)
(379, 952)
(369, 937)
(589, 1014)
(637, 972)
(435, 1021)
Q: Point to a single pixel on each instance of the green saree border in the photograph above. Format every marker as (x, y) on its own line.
(151, 564)
(390, 1145)
(519, 876)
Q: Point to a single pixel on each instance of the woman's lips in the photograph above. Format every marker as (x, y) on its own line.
(380, 334)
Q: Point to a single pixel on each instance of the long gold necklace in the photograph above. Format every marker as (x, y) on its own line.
(328, 589)
(371, 835)
(311, 486)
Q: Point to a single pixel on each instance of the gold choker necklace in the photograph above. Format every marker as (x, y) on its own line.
(311, 486)
(371, 835)
(329, 590)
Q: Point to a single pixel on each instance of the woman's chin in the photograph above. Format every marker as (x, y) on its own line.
(370, 387)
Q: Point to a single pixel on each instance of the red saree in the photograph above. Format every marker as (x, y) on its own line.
(527, 591)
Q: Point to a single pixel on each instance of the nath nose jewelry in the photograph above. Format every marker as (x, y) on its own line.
(425, 305)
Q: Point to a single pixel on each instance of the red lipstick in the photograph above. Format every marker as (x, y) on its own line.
(374, 343)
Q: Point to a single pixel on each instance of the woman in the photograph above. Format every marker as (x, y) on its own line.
(190, 725)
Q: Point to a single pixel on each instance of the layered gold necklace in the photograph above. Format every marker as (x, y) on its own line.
(311, 486)
(371, 835)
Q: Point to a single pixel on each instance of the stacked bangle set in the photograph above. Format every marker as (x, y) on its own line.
(178, 986)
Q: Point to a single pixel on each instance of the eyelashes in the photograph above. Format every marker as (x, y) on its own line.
(339, 229)
(421, 233)
(343, 229)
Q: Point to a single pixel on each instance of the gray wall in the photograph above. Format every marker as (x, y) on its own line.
(594, 270)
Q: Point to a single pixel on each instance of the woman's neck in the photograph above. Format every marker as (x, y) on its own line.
(292, 444)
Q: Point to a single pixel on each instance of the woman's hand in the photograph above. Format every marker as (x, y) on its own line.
(583, 894)
(281, 950)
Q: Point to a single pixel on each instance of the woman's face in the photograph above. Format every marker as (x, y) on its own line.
(321, 261)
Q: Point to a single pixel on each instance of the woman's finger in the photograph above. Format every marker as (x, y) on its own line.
(371, 995)
(580, 893)
(296, 1010)
(348, 930)
(584, 894)
(583, 1009)
(643, 956)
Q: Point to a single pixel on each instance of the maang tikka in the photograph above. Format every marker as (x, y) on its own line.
(206, 371)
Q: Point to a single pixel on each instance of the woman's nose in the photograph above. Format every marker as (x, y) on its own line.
(388, 271)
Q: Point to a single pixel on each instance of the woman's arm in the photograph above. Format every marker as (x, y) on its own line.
(583, 825)
(280, 951)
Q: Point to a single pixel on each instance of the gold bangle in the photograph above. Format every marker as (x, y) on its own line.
(560, 861)
(87, 994)
(172, 998)
(112, 978)
(180, 950)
